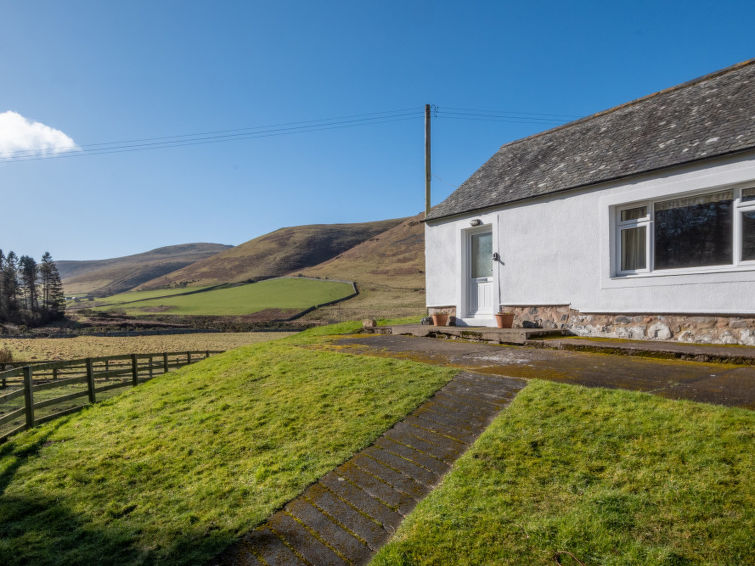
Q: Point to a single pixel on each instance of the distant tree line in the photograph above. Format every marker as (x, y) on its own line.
(30, 292)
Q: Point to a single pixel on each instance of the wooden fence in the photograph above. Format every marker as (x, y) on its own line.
(39, 392)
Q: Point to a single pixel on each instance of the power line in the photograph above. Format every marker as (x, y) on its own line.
(286, 128)
(512, 113)
(442, 180)
(502, 119)
(216, 136)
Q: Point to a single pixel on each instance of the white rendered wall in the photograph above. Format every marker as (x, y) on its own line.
(557, 251)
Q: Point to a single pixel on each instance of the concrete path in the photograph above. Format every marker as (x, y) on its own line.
(352, 511)
(724, 384)
(742, 355)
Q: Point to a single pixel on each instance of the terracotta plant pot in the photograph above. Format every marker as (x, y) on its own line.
(504, 319)
(440, 319)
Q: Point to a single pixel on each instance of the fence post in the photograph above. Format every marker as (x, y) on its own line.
(90, 380)
(188, 357)
(150, 366)
(206, 354)
(134, 371)
(28, 398)
(165, 362)
(55, 373)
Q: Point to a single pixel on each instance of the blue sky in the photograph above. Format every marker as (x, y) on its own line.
(111, 71)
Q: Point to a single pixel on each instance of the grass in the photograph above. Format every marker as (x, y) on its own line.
(131, 296)
(612, 477)
(416, 319)
(29, 349)
(283, 293)
(174, 470)
(374, 301)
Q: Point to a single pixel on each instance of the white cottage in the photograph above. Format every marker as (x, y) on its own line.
(636, 222)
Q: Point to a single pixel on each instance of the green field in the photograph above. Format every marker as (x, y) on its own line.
(283, 293)
(612, 478)
(174, 470)
(131, 296)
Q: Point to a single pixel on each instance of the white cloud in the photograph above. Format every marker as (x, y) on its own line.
(20, 137)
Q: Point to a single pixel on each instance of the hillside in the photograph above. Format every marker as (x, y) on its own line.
(284, 251)
(109, 276)
(389, 269)
(286, 296)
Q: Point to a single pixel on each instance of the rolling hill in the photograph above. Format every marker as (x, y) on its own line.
(109, 276)
(284, 251)
(389, 269)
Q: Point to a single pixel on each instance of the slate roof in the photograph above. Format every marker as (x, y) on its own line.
(709, 116)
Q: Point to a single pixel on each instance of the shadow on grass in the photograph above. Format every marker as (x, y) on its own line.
(21, 452)
(39, 530)
(43, 531)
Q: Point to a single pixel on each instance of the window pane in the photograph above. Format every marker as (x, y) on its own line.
(748, 235)
(691, 232)
(696, 200)
(634, 213)
(633, 249)
(748, 194)
(482, 255)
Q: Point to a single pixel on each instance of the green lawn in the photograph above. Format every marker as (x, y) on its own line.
(283, 293)
(130, 296)
(612, 477)
(174, 470)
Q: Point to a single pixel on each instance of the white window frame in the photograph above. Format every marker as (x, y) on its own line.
(739, 206)
(621, 225)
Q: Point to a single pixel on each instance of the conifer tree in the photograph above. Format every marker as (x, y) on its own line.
(29, 272)
(3, 300)
(9, 276)
(44, 280)
(53, 299)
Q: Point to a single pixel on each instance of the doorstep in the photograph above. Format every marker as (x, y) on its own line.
(478, 333)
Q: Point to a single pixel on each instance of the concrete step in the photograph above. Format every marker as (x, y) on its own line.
(479, 333)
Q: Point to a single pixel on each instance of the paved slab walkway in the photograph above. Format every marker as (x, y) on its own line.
(742, 355)
(724, 384)
(351, 512)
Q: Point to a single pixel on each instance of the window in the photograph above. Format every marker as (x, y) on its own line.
(482, 251)
(747, 212)
(686, 232)
(694, 231)
(633, 229)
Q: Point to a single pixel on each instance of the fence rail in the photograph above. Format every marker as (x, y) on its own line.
(38, 392)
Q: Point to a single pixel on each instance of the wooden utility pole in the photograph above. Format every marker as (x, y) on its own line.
(428, 173)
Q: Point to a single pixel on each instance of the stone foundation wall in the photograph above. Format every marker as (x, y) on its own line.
(714, 329)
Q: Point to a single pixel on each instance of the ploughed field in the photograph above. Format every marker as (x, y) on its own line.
(34, 349)
(285, 294)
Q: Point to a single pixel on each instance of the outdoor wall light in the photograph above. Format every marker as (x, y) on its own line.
(475, 222)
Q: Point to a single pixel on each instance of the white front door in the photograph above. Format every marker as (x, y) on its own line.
(480, 274)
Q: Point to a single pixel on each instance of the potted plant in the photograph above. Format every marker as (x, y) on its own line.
(440, 319)
(504, 319)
